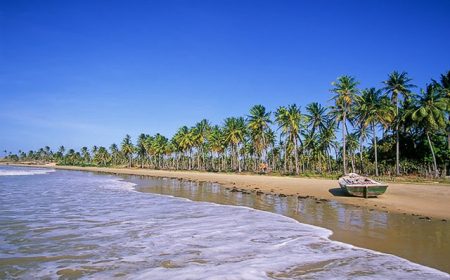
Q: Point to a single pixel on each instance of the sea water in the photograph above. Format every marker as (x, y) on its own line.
(66, 224)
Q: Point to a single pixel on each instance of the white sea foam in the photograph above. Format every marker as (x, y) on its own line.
(24, 171)
(117, 184)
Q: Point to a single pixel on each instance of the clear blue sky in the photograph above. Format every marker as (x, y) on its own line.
(78, 73)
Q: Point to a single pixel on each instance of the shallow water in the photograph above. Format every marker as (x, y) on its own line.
(67, 224)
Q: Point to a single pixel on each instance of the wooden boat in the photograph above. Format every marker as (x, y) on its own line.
(361, 186)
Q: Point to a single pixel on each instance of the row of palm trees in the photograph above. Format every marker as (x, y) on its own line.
(415, 126)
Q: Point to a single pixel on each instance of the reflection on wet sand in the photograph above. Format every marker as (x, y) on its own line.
(419, 240)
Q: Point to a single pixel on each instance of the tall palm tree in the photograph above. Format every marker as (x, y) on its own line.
(60, 152)
(85, 154)
(94, 150)
(102, 156)
(352, 145)
(216, 144)
(397, 84)
(289, 121)
(444, 88)
(128, 149)
(159, 146)
(316, 119)
(371, 111)
(48, 153)
(234, 132)
(114, 150)
(177, 150)
(140, 148)
(326, 138)
(185, 139)
(200, 134)
(345, 90)
(271, 139)
(429, 114)
(258, 122)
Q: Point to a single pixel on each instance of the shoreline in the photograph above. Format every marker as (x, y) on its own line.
(424, 201)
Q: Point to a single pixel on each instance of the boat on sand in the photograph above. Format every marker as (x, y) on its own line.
(361, 186)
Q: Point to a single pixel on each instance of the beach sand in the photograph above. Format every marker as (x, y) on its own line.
(431, 201)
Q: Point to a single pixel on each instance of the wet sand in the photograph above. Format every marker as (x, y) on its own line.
(426, 201)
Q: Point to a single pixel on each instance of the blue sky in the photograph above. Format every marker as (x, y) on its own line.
(79, 73)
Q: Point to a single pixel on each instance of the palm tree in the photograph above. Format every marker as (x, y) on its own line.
(444, 88)
(48, 153)
(85, 154)
(148, 146)
(216, 144)
(200, 134)
(345, 88)
(326, 138)
(289, 121)
(371, 111)
(316, 119)
(102, 156)
(177, 150)
(185, 140)
(140, 148)
(397, 84)
(352, 145)
(159, 147)
(114, 150)
(271, 139)
(258, 123)
(60, 152)
(429, 114)
(234, 133)
(94, 149)
(127, 149)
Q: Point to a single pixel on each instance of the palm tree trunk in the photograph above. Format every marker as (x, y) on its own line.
(344, 150)
(274, 158)
(238, 158)
(397, 145)
(198, 159)
(296, 156)
(353, 162)
(434, 157)
(231, 156)
(218, 161)
(225, 161)
(190, 159)
(361, 155)
(375, 149)
(203, 159)
(212, 162)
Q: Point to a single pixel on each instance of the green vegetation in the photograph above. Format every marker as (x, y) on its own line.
(385, 132)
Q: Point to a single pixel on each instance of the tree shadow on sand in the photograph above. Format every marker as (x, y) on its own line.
(337, 192)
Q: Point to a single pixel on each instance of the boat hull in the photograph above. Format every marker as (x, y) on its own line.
(365, 190)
